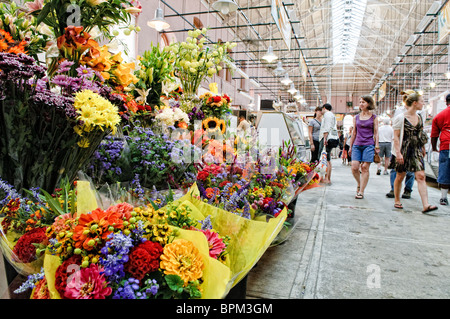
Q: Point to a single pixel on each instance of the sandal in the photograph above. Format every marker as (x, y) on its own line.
(398, 206)
(359, 196)
(430, 208)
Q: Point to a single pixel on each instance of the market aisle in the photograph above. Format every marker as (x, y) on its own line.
(343, 247)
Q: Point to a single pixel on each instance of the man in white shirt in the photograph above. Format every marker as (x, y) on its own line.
(385, 137)
(328, 137)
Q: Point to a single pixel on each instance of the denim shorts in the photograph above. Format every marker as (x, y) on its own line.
(444, 168)
(363, 153)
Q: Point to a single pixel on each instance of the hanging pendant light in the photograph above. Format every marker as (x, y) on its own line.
(269, 56)
(279, 70)
(225, 6)
(158, 22)
(292, 89)
(286, 80)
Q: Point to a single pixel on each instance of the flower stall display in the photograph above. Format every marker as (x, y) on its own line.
(194, 60)
(21, 28)
(24, 221)
(156, 161)
(96, 16)
(154, 72)
(120, 253)
(49, 128)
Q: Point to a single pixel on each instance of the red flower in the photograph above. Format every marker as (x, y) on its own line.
(144, 259)
(217, 99)
(24, 249)
(62, 276)
(226, 97)
(202, 176)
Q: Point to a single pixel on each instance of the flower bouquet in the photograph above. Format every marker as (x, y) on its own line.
(21, 28)
(127, 252)
(49, 128)
(24, 221)
(194, 60)
(154, 71)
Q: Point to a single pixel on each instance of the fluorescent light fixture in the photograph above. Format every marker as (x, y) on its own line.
(242, 73)
(429, 16)
(411, 40)
(347, 17)
(246, 95)
(158, 22)
(255, 83)
(269, 56)
(225, 6)
(286, 80)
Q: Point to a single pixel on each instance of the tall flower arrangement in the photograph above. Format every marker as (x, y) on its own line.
(49, 128)
(155, 67)
(23, 28)
(195, 60)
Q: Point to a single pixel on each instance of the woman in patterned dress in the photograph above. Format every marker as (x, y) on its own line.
(409, 145)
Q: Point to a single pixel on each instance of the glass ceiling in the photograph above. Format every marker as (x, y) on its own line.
(347, 16)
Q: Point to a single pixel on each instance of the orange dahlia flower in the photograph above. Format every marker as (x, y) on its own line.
(94, 226)
(182, 258)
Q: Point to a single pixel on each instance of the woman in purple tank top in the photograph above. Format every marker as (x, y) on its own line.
(364, 143)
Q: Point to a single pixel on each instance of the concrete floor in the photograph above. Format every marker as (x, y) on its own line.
(350, 248)
(342, 247)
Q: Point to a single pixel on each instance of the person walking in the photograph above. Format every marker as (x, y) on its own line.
(364, 143)
(328, 137)
(440, 129)
(314, 132)
(409, 146)
(409, 181)
(347, 140)
(385, 137)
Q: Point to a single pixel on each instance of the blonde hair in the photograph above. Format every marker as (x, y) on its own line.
(406, 93)
(410, 96)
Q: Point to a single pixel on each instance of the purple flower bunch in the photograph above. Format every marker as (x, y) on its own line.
(105, 166)
(116, 255)
(130, 289)
(196, 114)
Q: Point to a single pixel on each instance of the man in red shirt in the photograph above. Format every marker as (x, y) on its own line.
(440, 129)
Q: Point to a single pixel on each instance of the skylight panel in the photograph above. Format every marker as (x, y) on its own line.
(347, 18)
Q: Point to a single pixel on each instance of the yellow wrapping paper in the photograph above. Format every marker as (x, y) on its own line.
(7, 243)
(216, 276)
(86, 200)
(249, 238)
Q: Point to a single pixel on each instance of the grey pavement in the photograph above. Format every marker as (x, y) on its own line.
(348, 248)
